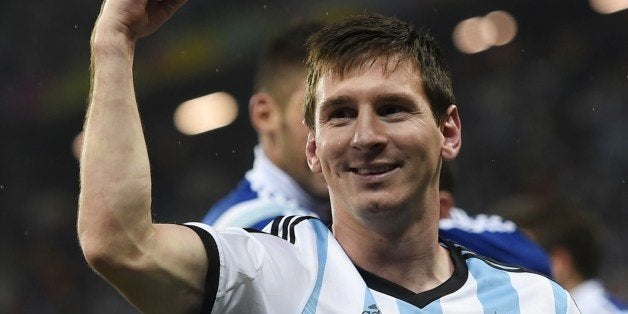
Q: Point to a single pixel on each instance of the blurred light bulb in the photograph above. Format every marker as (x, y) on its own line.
(477, 34)
(205, 113)
(505, 26)
(467, 36)
(608, 6)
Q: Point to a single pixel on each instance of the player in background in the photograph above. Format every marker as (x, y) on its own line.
(280, 182)
(488, 235)
(572, 239)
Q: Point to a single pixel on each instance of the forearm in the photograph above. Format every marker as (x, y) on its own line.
(114, 204)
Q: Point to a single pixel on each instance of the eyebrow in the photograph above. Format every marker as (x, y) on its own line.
(335, 102)
(387, 97)
(395, 97)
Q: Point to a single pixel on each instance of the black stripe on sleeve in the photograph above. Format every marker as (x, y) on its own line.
(285, 226)
(253, 230)
(292, 237)
(213, 268)
(274, 229)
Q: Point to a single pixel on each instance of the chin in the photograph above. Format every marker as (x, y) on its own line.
(379, 208)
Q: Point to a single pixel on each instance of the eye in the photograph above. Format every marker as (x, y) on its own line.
(391, 110)
(341, 113)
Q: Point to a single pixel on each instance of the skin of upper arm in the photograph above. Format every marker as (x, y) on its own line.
(168, 276)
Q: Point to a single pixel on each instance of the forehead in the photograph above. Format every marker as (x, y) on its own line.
(380, 76)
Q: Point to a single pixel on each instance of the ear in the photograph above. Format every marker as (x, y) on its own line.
(452, 133)
(263, 112)
(310, 153)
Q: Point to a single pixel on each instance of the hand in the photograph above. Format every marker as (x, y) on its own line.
(136, 18)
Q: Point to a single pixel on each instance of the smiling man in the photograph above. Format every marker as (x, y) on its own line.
(381, 118)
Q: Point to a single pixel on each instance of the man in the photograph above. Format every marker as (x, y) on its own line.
(280, 182)
(572, 241)
(381, 118)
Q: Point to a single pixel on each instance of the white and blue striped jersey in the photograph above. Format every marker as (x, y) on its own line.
(297, 266)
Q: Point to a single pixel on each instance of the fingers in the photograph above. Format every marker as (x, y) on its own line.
(139, 18)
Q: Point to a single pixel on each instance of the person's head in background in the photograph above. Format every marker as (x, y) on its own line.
(571, 237)
(275, 109)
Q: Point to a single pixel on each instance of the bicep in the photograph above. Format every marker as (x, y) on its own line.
(168, 275)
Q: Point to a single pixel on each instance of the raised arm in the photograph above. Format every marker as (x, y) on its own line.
(158, 268)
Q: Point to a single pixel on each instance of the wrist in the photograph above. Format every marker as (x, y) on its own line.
(111, 42)
(108, 35)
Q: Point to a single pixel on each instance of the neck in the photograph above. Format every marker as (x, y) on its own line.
(410, 257)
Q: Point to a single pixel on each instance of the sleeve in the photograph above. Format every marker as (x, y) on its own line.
(253, 272)
(211, 279)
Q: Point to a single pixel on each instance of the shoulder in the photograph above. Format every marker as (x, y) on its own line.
(529, 291)
(251, 263)
(496, 238)
(281, 231)
(242, 193)
(459, 219)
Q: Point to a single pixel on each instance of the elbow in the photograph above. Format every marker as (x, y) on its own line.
(97, 248)
(105, 244)
(96, 256)
(113, 229)
(109, 256)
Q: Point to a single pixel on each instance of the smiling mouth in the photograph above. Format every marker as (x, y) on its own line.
(373, 170)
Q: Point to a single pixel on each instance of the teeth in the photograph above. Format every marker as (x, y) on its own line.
(374, 170)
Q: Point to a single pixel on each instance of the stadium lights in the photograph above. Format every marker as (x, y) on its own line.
(477, 34)
(608, 6)
(205, 113)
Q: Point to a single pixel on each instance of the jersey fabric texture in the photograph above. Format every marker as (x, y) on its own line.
(495, 238)
(264, 193)
(592, 298)
(297, 266)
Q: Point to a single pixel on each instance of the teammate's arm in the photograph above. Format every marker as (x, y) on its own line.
(158, 268)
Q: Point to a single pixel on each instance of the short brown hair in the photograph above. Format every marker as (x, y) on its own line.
(363, 39)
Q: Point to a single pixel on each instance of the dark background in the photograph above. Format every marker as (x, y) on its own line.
(545, 113)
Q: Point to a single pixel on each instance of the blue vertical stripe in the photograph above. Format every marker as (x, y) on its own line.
(560, 298)
(369, 301)
(321, 247)
(495, 291)
(432, 308)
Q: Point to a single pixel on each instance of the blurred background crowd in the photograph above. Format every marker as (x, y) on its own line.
(544, 112)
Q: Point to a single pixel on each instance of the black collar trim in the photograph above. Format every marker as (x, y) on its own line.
(455, 282)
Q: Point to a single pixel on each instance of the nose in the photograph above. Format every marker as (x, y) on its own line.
(369, 132)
